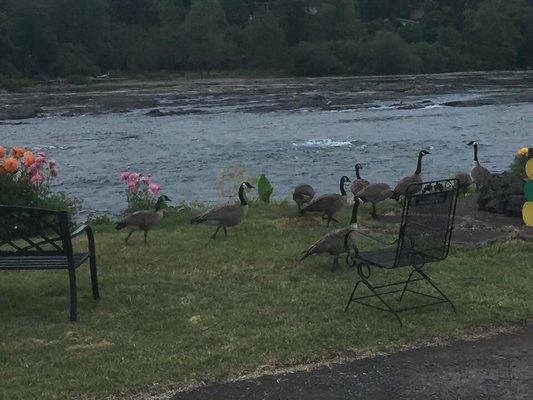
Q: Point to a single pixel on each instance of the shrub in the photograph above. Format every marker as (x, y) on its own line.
(265, 189)
(313, 59)
(25, 181)
(141, 191)
(518, 166)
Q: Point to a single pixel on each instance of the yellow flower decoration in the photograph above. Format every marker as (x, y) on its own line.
(523, 152)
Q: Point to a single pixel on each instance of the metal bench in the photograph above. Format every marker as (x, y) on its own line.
(425, 233)
(38, 239)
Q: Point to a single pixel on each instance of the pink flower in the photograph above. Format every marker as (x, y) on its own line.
(132, 185)
(37, 179)
(40, 160)
(134, 177)
(124, 176)
(145, 180)
(154, 188)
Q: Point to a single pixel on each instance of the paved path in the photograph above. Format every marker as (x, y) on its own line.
(498, 368)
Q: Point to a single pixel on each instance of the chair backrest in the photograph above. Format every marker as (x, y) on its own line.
(427, 223)
(26, 231)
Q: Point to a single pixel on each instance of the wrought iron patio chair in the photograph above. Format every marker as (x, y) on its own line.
(424, 237)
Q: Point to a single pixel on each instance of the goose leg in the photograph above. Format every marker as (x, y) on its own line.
(329, 220)
(334, 220)
(128, 237)
(214, 236)
(145, 236)
(225, 232)
(335, 263)
(374, 213)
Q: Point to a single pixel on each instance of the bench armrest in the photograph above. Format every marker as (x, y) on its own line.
(90, 237)
(79, 231)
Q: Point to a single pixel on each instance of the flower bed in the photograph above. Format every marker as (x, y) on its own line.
(141, 191)
(25, 180)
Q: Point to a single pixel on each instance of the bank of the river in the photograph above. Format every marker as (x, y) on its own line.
(186, 309)
(191, 132)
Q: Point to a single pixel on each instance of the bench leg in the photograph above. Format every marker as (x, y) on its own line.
(94, 277)
(73, 295)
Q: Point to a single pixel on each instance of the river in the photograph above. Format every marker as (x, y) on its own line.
(185, 132)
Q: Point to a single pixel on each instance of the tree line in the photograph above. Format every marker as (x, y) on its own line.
(58, 38)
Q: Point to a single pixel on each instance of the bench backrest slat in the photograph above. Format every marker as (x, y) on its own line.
(26, 231)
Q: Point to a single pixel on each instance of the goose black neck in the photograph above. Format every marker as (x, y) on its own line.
(475, 153)
(353, 220)
(343, 192)
(419, 165)
(242, 197)
(357, 171)
(159, 204)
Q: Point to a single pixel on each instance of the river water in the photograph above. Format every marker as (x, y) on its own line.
(294, 131)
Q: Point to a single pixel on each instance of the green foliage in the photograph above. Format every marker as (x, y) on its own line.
(518, 166)
(50, 38)
(22, 193)
(264, 189)
(313, 59)
(389, 54)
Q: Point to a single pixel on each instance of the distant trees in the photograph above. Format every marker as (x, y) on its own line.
(48, 38)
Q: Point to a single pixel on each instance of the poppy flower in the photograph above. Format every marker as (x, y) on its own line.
(29, 159)
(124, 176)
(523, 152)
(11, 164)
(18, 152)
(2, 152)
(154, 188)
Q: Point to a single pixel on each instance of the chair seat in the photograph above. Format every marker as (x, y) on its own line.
(384, 258)
(40, 262)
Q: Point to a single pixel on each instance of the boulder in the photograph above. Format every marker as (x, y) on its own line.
(19, 112)
(503, 193)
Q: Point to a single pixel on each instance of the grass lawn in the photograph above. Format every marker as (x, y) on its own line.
(185, 308)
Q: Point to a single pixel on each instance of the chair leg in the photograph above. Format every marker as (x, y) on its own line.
(351, 296)
(428, 280)
(407, 283)
(73, 295)
(94, 276)
(376, 294)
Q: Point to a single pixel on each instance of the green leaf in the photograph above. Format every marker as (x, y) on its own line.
(264, 188)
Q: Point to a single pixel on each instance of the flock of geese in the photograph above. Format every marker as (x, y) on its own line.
(329, 205)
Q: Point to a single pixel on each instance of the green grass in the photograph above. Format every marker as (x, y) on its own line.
(186, 308)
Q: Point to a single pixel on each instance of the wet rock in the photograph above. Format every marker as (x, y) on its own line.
(19, 112)
(470, 103)
(502, 194)
(158, 113)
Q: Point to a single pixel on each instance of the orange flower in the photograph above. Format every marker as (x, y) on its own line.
(11, 164)
(29, 159)
(522, 152)
(18, 152)
(2, 152)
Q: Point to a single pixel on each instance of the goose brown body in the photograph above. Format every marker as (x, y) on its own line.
(143, 220)
(464, 181)
(480, 174)
(375, 193)
(336, 242)
(358, 183)
(411, 184)
(329, 204)
(227, 215)
(303, 194)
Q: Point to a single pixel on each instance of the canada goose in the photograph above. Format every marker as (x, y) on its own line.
(329, 204)
(336, 242)
(464, 181)
(408, 185)
(143, 220)
(375, 193)
(226, 215)
(359, 183)
(480, 174)
(303, 194)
